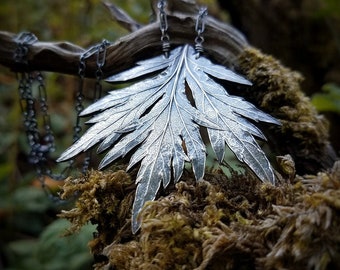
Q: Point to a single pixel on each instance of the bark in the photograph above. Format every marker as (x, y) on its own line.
(222, 42)
(306, 138)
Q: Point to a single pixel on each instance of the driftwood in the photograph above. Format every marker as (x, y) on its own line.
(222, 222)
(222, 42)
(304, 134)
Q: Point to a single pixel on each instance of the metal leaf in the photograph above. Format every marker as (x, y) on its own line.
(155, 117)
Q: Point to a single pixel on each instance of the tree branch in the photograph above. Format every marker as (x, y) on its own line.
(222, 42)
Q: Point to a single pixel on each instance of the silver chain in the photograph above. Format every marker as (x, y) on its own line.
(23, 40)
(100, 62)
(199, 28)
(100, 51)
(163, 25)
(101, 58)
(43, 143)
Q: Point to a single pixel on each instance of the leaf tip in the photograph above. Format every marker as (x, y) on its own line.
(135, 225)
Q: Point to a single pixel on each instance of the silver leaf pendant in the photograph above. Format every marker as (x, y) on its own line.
(156, 118)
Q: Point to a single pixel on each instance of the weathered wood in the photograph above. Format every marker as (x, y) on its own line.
(222, 42)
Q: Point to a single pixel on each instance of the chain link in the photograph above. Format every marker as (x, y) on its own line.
(27, 104)
(39, 147)
(23, 40)
(101, 58)
(79, 104)
(79, 98)
(199, 28)
(42, 143)
(163, 26)
(100, 51)
(48, 137)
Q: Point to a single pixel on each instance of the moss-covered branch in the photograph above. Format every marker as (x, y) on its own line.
(277, 89)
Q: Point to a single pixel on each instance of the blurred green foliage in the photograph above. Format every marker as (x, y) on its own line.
(52, 250)
(30, 233)
(328, 100)
(329, 8)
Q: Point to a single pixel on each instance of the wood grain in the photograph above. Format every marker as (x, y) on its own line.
(222, 43)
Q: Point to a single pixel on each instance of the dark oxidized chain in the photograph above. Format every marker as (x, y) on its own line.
(43, 143)
(40, 145)
(27, 102)
(163, 25)
(101, 57)
(48, 138)
(100, 51)
(79, 98)
(199, 28)
(23, 40)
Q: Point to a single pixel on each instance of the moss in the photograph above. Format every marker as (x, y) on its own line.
(104, 199)
(237, 223)
(304, 133)
(233, 222)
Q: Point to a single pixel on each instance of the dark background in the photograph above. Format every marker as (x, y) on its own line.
(304, 35)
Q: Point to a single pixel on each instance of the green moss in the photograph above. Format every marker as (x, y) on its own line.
(104, 199)
(237, 223)
(304, 133)
(228, 222)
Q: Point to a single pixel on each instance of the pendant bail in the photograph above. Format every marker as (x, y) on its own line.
(163, 25)
(199, 28)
